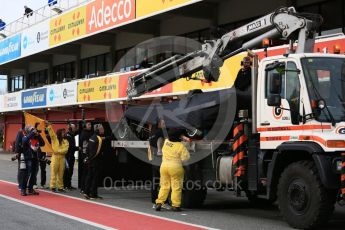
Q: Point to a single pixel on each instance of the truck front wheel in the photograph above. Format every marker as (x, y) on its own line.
(302, 199)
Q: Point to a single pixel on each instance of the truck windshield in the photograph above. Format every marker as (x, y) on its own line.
(325, 78)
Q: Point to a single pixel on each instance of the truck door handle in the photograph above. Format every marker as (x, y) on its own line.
(265, 123)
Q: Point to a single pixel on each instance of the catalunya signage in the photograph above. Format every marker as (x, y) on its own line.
(34, 98)
(99, 89)
(67, 27)
(146, 8)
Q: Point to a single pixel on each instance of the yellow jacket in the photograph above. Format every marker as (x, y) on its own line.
(174, 153)
(57, 148)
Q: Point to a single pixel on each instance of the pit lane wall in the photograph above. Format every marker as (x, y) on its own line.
(92, 18)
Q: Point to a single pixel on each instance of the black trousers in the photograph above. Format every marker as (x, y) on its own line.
(92, 180)
(83, 173)
(67, 176)
(29, 174)
(42, 168)
(20, 174)
(155, 183)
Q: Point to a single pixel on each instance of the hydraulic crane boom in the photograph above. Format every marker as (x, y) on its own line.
(284, 23)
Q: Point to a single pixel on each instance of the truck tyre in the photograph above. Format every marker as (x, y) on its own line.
(302, 199)
(194, 198)
(194, 192)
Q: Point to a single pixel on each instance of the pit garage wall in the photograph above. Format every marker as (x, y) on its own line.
(13, 122)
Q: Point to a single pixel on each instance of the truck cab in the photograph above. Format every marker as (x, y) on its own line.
(300, 127)
(311, 97)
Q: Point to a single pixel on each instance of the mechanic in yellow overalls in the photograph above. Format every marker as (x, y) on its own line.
(60, 147)
(171, 171)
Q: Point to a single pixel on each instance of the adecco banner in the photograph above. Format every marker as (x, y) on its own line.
(109, 13)
(68, 26)
(62, 94)
(148, 7)
(100, 89)
(10, 48)
(12, 101)
(35, 39)
(34, 98)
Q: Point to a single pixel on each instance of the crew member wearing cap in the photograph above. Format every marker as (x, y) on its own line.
(171, 171)
(244, 75)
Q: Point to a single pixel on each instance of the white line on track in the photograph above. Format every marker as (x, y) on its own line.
(58, 213)
(114, 207)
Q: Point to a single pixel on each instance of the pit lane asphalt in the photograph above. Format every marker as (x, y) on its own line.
(221, 209)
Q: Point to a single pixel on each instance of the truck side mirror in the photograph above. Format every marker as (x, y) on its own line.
(275, 86)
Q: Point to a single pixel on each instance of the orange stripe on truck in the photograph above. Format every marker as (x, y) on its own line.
(276, 138)
(343, 177)
(239, 156)
(301, 138)
(238, 129)
(239, 142)
(313, 138)
(297, 127)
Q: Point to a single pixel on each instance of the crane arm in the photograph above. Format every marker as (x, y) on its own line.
(284, 23)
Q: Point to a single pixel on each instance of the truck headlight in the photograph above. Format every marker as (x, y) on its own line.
(335, 144)
(339, 165)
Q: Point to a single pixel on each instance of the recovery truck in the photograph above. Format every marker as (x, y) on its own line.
(290, 146)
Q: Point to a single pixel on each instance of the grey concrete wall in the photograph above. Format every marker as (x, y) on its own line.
(93, 50)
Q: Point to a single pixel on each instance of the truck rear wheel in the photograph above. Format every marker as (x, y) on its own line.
(193, 198)
(302, 199)
(194, 192)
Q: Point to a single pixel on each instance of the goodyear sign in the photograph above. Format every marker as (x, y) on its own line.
(10, 48)
(34, 98)
(145, 8)
(100, 89)
(67, 27)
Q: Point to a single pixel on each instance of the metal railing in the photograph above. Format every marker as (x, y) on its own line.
(40, 15)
